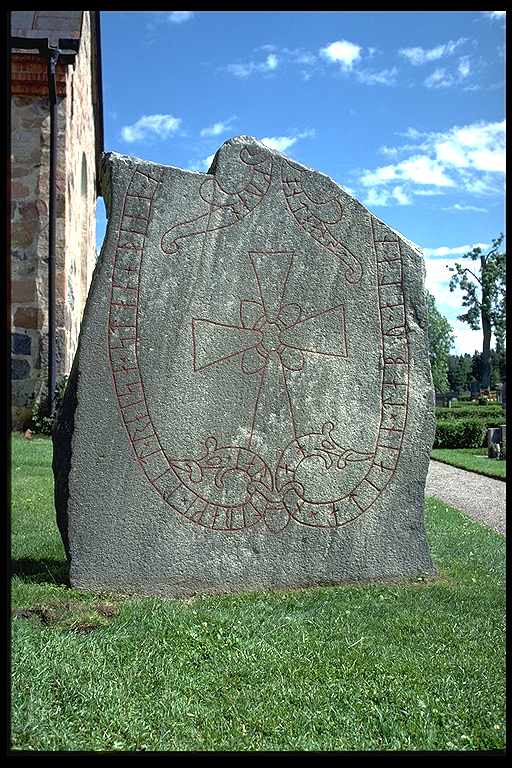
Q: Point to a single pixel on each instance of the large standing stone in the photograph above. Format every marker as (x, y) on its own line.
(251, 402)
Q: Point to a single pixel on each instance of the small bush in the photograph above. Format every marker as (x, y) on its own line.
(483, 400)
(459, 433)
(41, 422)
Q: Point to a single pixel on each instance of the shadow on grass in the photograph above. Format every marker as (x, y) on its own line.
(44, 571)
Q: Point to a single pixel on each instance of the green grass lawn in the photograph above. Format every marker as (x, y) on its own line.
(416, 667)
(473, 459)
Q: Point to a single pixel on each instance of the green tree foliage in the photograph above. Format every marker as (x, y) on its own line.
(476, 365)
(440, 341)
(498, 365)
(483, 298)
(460, 373)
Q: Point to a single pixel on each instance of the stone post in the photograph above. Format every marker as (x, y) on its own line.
(493, 440)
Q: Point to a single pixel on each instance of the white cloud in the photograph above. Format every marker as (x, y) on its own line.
(400, 196)
(489, 159)
(466, 340)
(439, 79)
(161, 126)
(388, 151)
(384, 197)
(451, 153)
(376, 197)
(428, 192)
(250, 67)
(458, 250)
(201, 165)
(178, 17)
(309, 133)
(383, 77)
(279, 143)
(449, 302)
(420, 169)
(216, 129)
(437, 277)
(470, 158)
(418, 56)
(464, 67)
(458, 75)
(379, 176)
(495, 15)
(342, 52)
(272, 61)
(459, 207)
(282, 143)
(424, 170)
(305, 58)
(480, 146)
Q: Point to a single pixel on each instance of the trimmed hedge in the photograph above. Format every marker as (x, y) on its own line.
(480, 412)
(485, 416)
(459, 433)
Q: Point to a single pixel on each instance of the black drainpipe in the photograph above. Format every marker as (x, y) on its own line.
(65, 52)
(53, 57)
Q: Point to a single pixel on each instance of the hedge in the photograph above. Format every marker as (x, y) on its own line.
(480, 412)
(460, 433)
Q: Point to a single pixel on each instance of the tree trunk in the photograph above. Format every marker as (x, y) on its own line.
(486, 328)
(486, 352)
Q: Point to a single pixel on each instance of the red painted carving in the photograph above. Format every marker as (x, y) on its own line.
(225, 208)
(315, 217)
(229, 487)
(270, 330)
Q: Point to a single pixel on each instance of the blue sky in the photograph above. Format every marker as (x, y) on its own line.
(405, 110)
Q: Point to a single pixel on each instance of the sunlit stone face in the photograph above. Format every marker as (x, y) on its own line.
(265, 425)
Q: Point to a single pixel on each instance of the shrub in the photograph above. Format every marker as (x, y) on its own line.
(41, 422)
(483, 400)
(459, 433)
(482, 412)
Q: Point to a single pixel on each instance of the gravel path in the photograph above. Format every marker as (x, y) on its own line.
(479, 497)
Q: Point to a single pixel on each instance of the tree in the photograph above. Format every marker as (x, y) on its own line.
(498, 365)
(459, 372)
(484, 298)
(440, 341)
(476, 366)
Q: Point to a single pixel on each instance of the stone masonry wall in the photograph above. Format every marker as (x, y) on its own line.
(80, 219)
(29, 245)
(75, 217)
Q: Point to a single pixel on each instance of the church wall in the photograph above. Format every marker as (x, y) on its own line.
(75, 217)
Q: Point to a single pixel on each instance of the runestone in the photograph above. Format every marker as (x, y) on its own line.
(251, 403)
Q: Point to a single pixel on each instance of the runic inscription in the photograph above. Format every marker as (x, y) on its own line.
(230, 487)
(250, 406)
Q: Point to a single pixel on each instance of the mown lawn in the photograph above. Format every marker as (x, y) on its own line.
(472, 459)
(416, 667)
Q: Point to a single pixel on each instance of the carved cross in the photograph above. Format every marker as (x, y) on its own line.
(271, 330)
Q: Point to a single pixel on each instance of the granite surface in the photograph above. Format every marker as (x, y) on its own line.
(251, 403)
